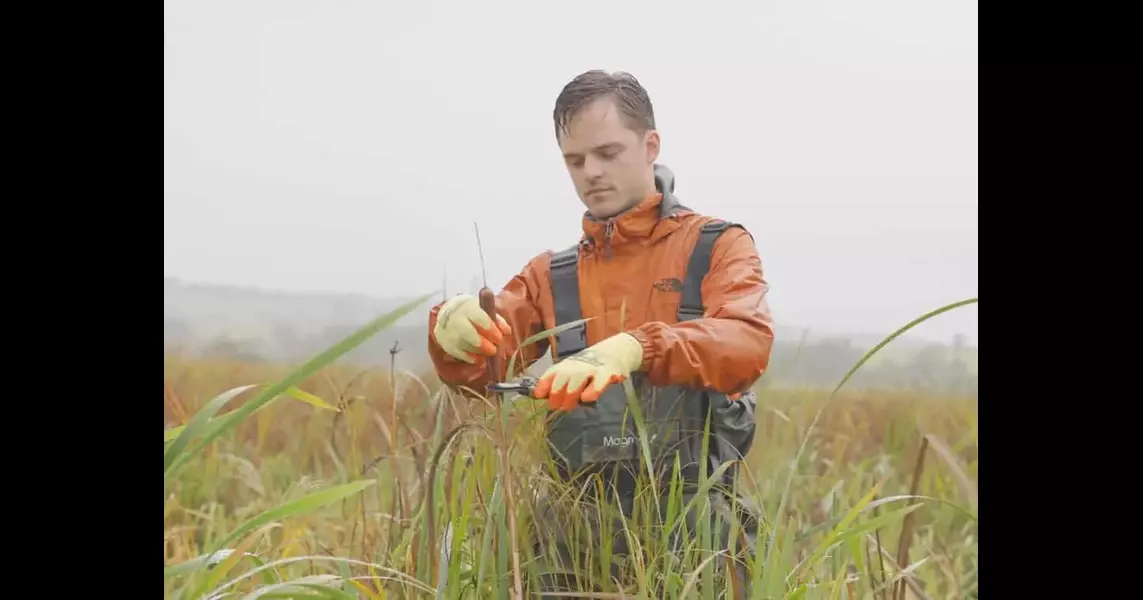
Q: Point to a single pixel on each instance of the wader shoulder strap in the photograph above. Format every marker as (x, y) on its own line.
(565, 288)
(690, 305)
(565, 297)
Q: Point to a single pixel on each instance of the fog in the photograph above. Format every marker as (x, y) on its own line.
(348, 146)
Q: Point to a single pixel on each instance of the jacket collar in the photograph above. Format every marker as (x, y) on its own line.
(647, 221)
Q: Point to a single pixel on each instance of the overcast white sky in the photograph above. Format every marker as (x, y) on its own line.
(348, 145)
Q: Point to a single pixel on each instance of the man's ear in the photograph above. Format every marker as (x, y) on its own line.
(651, 145)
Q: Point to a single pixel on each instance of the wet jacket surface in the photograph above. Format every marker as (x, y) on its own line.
(630, 271)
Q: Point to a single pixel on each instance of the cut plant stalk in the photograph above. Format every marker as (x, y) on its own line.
(396, 507)
(488, 304)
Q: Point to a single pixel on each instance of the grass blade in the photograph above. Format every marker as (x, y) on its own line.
(299, 506)
(302, 505)
(199, 422)
(174, 432)
(174, 459)
(911, 324)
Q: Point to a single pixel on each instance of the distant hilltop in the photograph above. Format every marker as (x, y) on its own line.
(218, 308)
(222, 309)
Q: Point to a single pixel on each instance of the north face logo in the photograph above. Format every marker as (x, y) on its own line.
(669, 284)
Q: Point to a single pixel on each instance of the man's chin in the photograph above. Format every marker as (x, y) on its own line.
(602, 213)
(606, 209)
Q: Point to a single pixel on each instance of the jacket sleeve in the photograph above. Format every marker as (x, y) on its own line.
(727, 349)
(517, 304)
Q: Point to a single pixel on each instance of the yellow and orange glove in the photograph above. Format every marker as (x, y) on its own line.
(584, 376)
(465, 332)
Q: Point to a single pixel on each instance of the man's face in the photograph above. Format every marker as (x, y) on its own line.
(610, 165)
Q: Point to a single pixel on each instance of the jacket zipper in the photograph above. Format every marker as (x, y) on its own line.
(607, 238)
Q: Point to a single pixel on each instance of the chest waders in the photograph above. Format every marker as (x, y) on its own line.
(603, 437)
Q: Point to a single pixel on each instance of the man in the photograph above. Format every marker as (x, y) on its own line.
(675, 301)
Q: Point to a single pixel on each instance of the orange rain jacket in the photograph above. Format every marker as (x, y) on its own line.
(628, 273)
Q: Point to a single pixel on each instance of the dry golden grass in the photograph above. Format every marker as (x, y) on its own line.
(280, 453)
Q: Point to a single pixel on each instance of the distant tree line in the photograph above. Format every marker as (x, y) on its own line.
(940, 368)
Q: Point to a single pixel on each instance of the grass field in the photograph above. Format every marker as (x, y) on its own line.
(322, 486)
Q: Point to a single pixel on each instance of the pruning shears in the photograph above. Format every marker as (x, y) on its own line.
(522, 386)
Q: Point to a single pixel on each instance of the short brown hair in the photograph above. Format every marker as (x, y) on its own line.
(631, 99)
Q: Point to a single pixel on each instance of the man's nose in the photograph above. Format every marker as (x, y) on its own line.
(592, 168)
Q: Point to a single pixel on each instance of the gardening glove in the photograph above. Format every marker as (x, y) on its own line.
(583, 376)
(465, 332)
